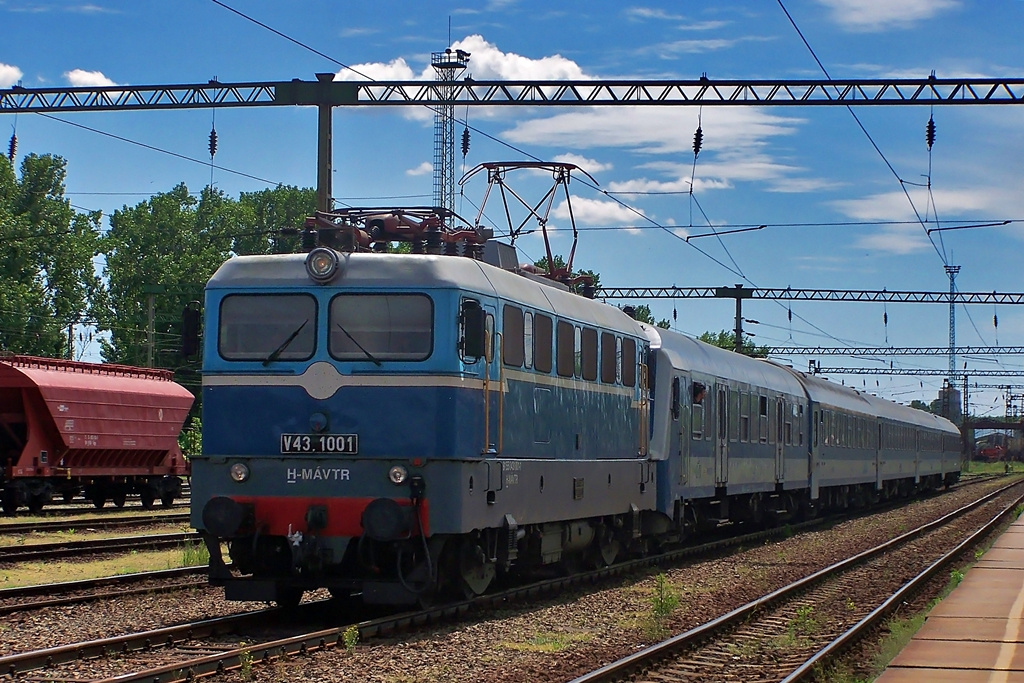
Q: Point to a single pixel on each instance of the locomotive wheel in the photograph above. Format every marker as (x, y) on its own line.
(606, 547)
(288, 598)
(475, 572)
(147, 497)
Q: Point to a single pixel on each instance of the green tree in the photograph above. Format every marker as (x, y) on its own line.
(642, 313)
(262, 215)
(162, 250)
(920, 405)
(48, 279)
(726, 339)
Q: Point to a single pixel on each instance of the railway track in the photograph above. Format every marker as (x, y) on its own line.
(782, 636)
(165, 655)
(40, 596)
(159, 655)
(121, 544)
(96, 523)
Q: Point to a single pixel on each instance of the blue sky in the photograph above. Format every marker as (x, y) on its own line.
(777, 166)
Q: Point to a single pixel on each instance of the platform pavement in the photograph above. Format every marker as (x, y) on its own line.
(977, 633)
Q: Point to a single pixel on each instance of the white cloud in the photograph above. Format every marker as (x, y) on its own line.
(599, 212)
(641, 13)
(423, 169)
(9, 75)
(486, 62)
(81, 78)
(591, 166)
(735, 140)
(884, 15)
(893, 206)
(896, 239)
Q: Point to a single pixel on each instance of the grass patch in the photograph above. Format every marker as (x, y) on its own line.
(51, 571)
(549, 642)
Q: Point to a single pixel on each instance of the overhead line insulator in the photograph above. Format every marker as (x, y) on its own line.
(465, 141)
(213, 142)
(698, 141)
(12, 148)
(929, 132)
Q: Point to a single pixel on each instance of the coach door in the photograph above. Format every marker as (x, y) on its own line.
(780, 441)
(722, 436)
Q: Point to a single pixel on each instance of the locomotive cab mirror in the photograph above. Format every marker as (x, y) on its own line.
(473, 324)
(190, 329)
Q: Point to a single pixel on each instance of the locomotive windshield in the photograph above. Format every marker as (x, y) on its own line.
(381, 327)
(267, 327)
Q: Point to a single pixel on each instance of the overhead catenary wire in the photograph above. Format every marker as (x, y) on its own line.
(863, 128)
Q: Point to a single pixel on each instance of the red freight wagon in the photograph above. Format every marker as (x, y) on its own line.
(68, 427)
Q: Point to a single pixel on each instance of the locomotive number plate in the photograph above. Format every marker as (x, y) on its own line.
(320, 443)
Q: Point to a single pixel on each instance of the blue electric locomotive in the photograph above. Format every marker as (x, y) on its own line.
(393, 426)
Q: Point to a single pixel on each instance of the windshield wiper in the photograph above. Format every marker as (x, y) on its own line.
(353, 339)
(284, 345)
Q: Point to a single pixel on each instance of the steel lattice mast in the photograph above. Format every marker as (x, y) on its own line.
(449, 65)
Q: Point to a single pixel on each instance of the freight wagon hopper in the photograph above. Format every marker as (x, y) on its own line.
(106, 431)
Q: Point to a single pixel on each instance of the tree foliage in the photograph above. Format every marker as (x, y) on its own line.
(48, 280)
(726, 339)
(642, 313)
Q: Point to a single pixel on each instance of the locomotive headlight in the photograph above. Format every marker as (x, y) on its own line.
(398, 474)
(239, 472)
(322, 264)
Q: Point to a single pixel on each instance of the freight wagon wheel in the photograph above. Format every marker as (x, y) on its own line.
(68, 496)
(37, 502)
(147, 497)
(10, 503)
(99, 500)
(167, 500)
(118, 498)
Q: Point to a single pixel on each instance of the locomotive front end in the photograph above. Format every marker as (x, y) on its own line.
(335, 405)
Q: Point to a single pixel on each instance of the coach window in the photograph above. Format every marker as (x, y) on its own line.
(541, 343)
(267, 327)
(745, 416)
(628, 362)
(762, 418)
(528, 340)
(699, 393)
(589, 353)
(799, 412)
(734, 415)
(608, 358)
(513, 340)
(565, 349)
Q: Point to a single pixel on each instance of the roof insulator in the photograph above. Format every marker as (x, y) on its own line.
(698, 141)
(213, 142)
(465, 141)
(12, 148)
(929, 132)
